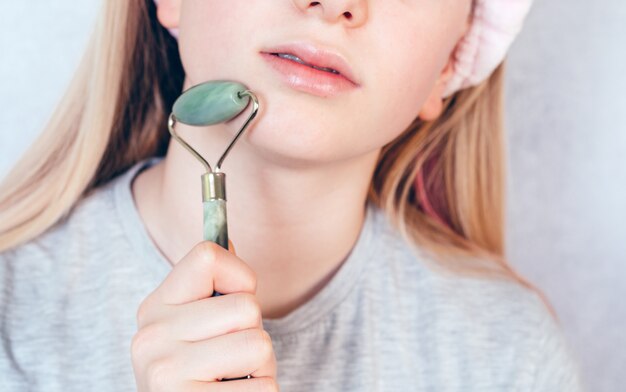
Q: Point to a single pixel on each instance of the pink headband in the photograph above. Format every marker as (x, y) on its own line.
(495, 25)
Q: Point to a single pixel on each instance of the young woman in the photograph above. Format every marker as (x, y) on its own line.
(366, 203)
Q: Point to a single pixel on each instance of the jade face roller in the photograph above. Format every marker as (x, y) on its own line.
(210, 103)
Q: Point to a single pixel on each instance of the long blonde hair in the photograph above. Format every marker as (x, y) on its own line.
(114, 114)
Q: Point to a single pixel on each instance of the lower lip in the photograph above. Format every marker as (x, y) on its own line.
(310, 80)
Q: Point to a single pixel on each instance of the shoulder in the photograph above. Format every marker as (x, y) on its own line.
(93, 221)
(72, 292)
(81, 229)
(511, 326)
(516, 329)
(477, 299)
(85, 251)
(496, 327)
(77, 246)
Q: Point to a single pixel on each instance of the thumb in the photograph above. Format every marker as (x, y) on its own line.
(231, 247)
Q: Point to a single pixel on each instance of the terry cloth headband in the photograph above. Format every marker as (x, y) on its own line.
(495, 25)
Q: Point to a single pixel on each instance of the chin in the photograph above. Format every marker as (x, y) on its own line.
(290, 145)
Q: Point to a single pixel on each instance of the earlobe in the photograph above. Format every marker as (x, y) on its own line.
(433, 106)
(168, 13)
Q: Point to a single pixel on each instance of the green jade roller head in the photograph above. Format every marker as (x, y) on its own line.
(205, 104)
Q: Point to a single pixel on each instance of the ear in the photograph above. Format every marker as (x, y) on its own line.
(433, 106)
(168, 13)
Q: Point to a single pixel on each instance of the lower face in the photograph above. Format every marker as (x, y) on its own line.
(310, 116)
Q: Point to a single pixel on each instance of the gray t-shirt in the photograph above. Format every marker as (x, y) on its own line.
(384, 322)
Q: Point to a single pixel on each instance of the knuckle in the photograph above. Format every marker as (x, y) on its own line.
(253, 281)
(144, 339)
(159, 374)
(142, 313)
(266, 346)
(252, 339)
(248, 306)
(259, 342)
(206, 252)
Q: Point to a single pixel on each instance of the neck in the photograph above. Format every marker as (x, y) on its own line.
(293, 225)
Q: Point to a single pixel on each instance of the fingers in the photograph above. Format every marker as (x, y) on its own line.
(188, 340)
(196, 321)
(216, 316)
(233, 355)
(207, 267)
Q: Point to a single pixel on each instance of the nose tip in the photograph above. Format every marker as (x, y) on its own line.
(352, 12)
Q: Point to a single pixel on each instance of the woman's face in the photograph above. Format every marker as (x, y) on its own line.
(396, 50)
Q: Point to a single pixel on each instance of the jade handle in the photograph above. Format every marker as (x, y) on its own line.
(215, 227)
(216, 230)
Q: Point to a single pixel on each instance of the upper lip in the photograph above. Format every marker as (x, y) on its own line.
(316, 55)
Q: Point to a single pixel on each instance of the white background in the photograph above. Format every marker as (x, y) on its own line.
(567, 145)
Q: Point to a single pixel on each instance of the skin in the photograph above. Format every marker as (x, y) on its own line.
(298, 178)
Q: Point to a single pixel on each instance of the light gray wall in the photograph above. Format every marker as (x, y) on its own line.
(567, 193)
(40, 46)
(567, 141)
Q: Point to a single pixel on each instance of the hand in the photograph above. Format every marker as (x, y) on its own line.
(189, 341)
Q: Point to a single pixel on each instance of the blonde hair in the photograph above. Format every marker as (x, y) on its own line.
(114, 114)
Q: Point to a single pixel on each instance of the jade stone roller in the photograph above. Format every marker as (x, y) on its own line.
(211, 103)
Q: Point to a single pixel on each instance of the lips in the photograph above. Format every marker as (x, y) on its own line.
(295, 58)
(315, 56)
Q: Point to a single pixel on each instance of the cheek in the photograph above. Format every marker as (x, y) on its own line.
(401, 85)
(208, 41)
